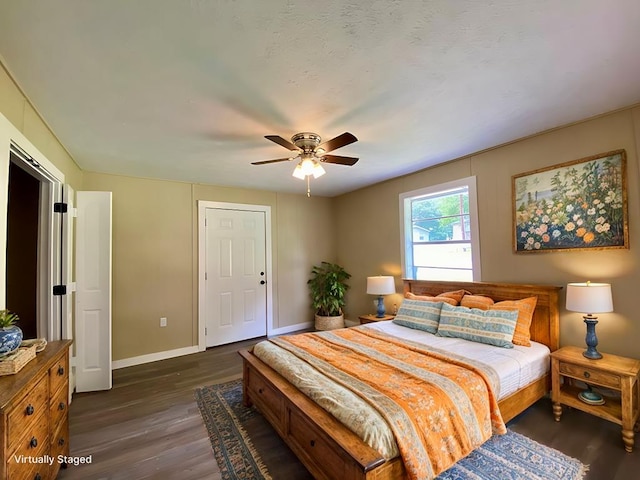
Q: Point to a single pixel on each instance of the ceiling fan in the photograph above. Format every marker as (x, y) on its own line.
(310, 153)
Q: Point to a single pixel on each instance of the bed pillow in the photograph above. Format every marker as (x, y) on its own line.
(493, 327)
(452, 298)
(419, 315)
(525, 308)
(476, 301)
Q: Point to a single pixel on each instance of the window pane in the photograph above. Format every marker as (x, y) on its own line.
(444, 274)
(438, 240)
(448, 255)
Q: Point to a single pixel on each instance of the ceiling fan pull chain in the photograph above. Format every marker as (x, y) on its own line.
(308, 188)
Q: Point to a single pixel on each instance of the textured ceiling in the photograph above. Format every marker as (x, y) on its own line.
(186, 90)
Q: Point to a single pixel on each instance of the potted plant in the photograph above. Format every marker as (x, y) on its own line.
(10, 333)
(327, 287)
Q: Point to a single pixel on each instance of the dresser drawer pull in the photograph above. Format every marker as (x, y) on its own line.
(61, 442)
(61, 406)
(37, 477)
(33, 443)
(260, 391)
(30, 409)
(587, 374)
(313, 443)
(60, 370)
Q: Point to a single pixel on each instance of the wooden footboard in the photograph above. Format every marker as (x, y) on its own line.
(330, 450)
(327, 448)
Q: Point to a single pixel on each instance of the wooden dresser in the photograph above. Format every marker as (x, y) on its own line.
(34, 423)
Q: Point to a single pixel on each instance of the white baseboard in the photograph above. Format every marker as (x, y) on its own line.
(153, 357)
(290, 328)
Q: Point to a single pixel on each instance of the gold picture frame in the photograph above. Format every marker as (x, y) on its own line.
(577, 205)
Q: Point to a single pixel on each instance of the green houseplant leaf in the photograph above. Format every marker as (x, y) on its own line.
(7, 319)
(327, 288)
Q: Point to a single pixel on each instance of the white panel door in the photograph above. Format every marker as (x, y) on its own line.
(93, 291)
(235, 278)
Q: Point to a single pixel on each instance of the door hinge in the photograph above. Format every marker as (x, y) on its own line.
(60, 207)
(205, 331)
(59, 290)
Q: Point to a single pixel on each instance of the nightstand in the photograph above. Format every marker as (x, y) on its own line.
(617, 374)
(370, 318)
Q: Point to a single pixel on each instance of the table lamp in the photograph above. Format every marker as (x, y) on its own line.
(380, 285)
(589, 298)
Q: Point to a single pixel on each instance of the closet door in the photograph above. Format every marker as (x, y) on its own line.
(93, 295)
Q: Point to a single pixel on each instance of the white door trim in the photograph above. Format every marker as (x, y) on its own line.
(52, 180)
(202, 207)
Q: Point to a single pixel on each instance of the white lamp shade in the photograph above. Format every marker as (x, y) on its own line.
(589, 297)
(381, 285)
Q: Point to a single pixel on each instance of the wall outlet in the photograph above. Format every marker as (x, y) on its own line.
(163, 321)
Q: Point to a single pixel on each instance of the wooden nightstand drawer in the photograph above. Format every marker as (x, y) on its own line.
(590, 375)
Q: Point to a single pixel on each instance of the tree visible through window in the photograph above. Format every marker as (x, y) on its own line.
(439, 226)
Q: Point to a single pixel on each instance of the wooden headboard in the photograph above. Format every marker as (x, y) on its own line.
(545, 327)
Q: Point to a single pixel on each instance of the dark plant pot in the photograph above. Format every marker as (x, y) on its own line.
(10, 339)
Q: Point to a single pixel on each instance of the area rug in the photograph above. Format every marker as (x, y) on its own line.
(247, 448)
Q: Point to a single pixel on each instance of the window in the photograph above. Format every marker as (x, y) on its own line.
(440, 232)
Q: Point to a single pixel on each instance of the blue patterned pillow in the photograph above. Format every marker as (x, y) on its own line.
(419, 314)
(494, 327)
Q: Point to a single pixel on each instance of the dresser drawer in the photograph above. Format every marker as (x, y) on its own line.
(590, 375)
(58, 374)
(32, 441)
(27, 410)
(28, 471)
(58, 408)
(60, 441)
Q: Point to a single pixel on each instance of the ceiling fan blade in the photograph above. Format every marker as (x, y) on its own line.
(339, 160)
(281, 141)
(340, 141)
(264, 162)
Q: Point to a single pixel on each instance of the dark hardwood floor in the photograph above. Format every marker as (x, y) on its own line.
(148, 425)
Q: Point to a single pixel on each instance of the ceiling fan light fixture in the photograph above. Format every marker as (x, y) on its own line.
(298, 173)
(318, 171)
(307, 166)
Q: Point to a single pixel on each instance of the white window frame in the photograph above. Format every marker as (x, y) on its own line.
(406, 236)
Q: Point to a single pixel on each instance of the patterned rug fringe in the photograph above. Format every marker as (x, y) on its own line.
(232, 447)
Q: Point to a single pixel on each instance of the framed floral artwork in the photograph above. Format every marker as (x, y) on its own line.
(575, 205)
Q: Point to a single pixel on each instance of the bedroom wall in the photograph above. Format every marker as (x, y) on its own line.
(369, 243)
(155, 257)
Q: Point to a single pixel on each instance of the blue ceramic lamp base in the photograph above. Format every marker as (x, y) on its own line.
(591, 339)
(381, 310)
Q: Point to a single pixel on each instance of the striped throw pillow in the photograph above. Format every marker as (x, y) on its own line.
(493, 327)
(419, 315)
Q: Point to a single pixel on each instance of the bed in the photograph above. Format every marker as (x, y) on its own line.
(330, 450)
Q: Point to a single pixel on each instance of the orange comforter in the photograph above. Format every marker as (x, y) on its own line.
(439, 409)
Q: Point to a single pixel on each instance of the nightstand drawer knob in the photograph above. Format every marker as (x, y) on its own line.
(587, 374)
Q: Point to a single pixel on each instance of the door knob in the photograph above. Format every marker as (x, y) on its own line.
(262, 282)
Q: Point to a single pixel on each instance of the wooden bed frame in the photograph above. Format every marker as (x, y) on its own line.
(330, 450)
